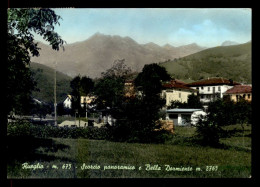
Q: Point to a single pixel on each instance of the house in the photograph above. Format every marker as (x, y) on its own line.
(86, 100)
(238, 92)
(184, 116)
(212, 88)
(83, 99)
(176, 91)
(129, 88)
(67, 102)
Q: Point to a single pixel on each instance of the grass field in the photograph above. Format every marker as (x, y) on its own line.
(82, 158)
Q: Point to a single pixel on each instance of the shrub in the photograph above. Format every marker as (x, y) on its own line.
(27, 129)
(208, 133)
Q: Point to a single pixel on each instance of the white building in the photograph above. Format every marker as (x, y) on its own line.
(83, 99)
(184, 116)
(212, 88)
(67, 102)
(176, 91)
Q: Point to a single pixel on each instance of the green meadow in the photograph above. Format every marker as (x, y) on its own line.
(179, 157)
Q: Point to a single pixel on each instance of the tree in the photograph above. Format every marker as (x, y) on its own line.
(194, 101)
(110, 91)
(177, 104)
(243, 114)
(20, 44)
(223, 112)
(208, 132)
(110, 88)
(81, 86)
(139, 116)
(119, 69)
(149, 80)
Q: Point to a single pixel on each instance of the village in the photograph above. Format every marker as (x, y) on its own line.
(208, 90)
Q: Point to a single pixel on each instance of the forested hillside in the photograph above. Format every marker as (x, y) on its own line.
(232, 62)
(44, 77)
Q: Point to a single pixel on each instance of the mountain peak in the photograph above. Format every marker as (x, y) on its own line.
(168, 46)
(228, 43)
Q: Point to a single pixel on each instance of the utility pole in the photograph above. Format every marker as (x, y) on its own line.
(55, 101)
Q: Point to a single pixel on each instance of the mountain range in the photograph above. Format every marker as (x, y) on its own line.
(232, 62)
(97, 54)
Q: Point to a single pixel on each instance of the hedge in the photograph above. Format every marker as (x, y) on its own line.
(44, 131)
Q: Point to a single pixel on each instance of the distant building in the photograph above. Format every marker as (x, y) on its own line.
(238, 92)
(129, 88)
(211, 89)
(83, 99)
(184, 116)
(176, 90)
(67, 102)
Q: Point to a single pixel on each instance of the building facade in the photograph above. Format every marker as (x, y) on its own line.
(238, 92)
(176, 91)
(184, 116)
(212, 88)
(67, 103)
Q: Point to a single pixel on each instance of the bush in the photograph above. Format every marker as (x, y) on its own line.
(18, 129)
(27, 129)
(208, 133)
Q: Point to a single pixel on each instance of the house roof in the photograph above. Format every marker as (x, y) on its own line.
(183, 110)
(213, 81)
(239, 89)
(177, 84)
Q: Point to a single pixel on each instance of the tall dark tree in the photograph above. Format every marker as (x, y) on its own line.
(119, 69)
(149, 81)
(81, 86)
(20, 44)
(110, 88)
(110, 91)
(139, 116)
(194, 101)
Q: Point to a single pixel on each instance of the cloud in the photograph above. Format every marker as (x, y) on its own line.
(206, 33)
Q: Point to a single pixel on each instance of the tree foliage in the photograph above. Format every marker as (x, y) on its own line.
(138, 116)
(193, 102)
(119, 69)
(149, 80)
(222, 112)
(110, 88)
(21, 24)
(81, 86)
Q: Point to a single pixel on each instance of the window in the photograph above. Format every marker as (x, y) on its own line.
(208, 88)
(237, 97)
(179, 95)
(197, 88)
(173, 116)
(248, 96)
(219, 88)
(244, 96)
(202, 88)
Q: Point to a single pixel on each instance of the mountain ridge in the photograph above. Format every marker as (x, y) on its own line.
(95, 55)
(233, 62)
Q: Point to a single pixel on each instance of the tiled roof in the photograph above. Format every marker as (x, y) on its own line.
(239, 89)
(177, 84)
(213, 81)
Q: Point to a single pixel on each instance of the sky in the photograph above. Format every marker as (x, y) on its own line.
(207, 27)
